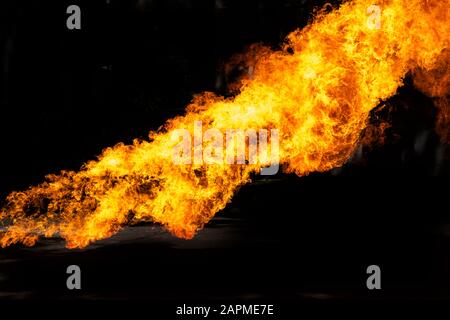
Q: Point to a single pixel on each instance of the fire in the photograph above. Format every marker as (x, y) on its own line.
(317, 91)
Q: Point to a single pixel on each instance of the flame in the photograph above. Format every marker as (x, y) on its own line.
(436, 84)
(317, 90)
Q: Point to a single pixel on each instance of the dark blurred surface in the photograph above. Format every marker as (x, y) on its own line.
(65, 95)
(289, 242)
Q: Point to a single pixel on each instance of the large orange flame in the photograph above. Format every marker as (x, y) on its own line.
(317, 91)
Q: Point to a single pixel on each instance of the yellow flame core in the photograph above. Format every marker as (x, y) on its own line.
(317, 91)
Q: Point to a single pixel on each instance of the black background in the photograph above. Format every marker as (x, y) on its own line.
(65, 95)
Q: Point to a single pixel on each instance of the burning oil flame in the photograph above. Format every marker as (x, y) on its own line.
(317, 91)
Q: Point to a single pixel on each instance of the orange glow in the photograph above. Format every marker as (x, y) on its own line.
(317, 91)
